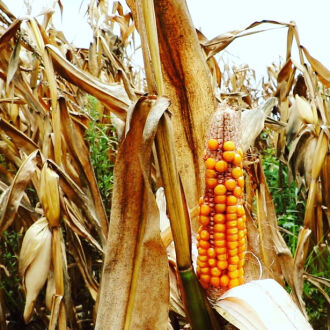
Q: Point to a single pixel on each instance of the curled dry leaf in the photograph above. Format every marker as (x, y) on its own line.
(259, 305)
(253, 122)
(34, 262)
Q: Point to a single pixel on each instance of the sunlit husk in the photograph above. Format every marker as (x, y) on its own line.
(34, 262)
(261, 304)
(49, 195)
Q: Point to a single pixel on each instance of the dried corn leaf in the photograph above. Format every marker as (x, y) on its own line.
(135, 265)
(112, 96)
(11, 198)
(260, 305)
(21, 140)
(322, 72)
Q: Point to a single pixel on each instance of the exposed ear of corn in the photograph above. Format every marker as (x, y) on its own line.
(49, 195)
(222, 234)
(34, 262)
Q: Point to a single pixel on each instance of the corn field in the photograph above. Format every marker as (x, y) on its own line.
(103, 165)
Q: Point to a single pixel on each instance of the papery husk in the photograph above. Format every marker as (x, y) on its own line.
(34, 262)
(261, 304)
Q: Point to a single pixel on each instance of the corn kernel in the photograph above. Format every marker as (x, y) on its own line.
(221, 166)
(230, 184)
(224, 281)
(228, 156)
(229, 146)
(212, 144)
(215, 281)
(220, 189)
(220, 208)
(210, 163)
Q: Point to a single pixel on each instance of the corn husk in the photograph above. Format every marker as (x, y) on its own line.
(34, 262)
(49, 195)
(259, 305)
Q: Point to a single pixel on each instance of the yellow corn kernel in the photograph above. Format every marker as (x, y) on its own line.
(221, 166)
(229, 146)
(212, 144)
(210, 163)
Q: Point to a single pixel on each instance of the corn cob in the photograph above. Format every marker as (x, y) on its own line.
(222, 234)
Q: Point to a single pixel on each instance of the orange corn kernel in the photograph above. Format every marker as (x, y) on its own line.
(232, 283)
(241, 233)
(202, 252)
(211, 182)
(205, 278)
(240, 181)
(231, 200)
(238, 192)
(231, 224)
(230, 184)
(220, 208)
(237, 160)
(221, 166)
(233, 252)
(220, 189)
(241, 248)
(241, 280)
(220, 199)
(215, 271)
(229, 146)
(219, 228)
(202, 258)
(236, 172)
(234, 260)
(205, 270)
(232, 231)
(232, 245)
(222, 265)
(204, 234)
(212, 262)
(231, 216)
(242, 242)
(210, 163)
(205, 209)
(203, 220)
(219, 236)
(212, 144)
(232, 268)
(215, 281)
(240, 210)
(202, 263)
(210, 173)
(222, 257)
(240, 271)
(233, 274)
(219, 218)
(224, 281)
(228, 156)
(231, 209)
(220, 250)
(240, 223)
(219, 243)
(203, 244)
(232, 238)
(211, 253)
